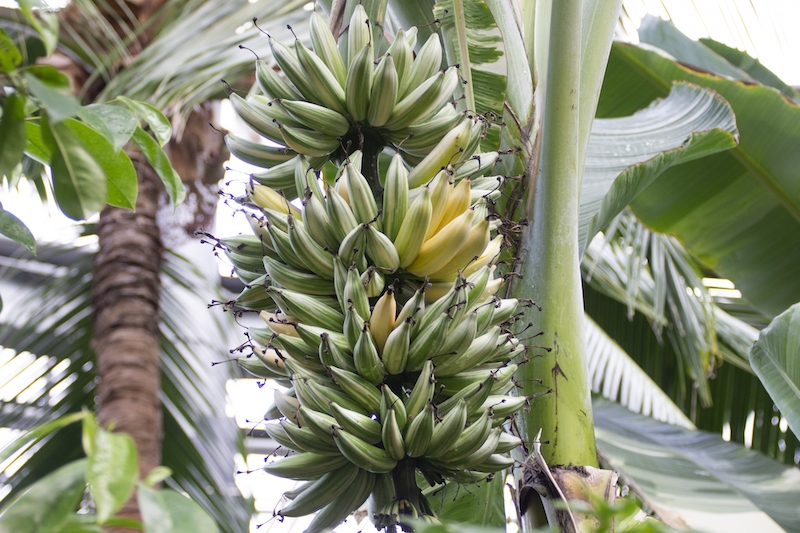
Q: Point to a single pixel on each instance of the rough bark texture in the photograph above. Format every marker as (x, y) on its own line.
(126, 336)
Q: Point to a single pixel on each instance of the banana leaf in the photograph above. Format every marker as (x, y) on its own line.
(695, 478)
(738, 211)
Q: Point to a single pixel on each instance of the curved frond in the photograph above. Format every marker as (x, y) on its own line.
(51, 373)
(654, 275)
(183, 64)
(617, 377)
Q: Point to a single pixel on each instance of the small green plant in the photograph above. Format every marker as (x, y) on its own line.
(44, 124)
(85, 495)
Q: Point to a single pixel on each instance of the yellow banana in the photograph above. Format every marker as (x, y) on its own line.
(437, 251)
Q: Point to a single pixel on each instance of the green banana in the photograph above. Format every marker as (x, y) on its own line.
(316, 117)
(304, 466)
(344, 504)
(257, 154)
(383, 97)
(325, 47)
(392, 437)
(419, 432)
(395, 352)
(359, 83)
(272, 85)
(363, 454)
(358, 388)
(423, 390)
(366, 359)
(321, 492)
(360, 425)
(326, 89)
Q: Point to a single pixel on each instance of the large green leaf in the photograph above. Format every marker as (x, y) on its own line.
(166, 511)
(117, 121)
(753, 67)
(111, 470)
(480, 504)
(120, 176)
(161, 164)
(737, 211)
(711, 484)
(626, 154)
(14, 229)
(58, 103)
(776, 360)
(12, 133)
(47, 504)
(79, 183)
(158, 123)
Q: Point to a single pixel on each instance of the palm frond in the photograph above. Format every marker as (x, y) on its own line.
(617, 377)
(51, 330)
(183, 64)
(742, 410)
(653, 274)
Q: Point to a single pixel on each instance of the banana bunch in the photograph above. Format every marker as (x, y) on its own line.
(329, 100)
(379, 287)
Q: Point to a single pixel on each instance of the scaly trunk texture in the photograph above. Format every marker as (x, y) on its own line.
(126, 336)
(127, 286)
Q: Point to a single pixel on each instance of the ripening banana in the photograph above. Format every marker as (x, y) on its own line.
(376, 276)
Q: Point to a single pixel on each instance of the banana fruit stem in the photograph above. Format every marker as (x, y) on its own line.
(405, 483)
(369, 168)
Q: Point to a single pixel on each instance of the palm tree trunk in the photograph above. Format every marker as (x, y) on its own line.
(126, 336)
(127, 286)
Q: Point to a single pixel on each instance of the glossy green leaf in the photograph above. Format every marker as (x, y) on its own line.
(481, 504)
(35, 147)
(14, 229)
(50, 76)
(666, 36)
(160, 163)
(47, 504)
(166, 511)
(59, 104)
(44, 21)
(120, 175)
(111, 471)
(79, 184)
(12, 133)
(36, 434)
(625, 155)
(737, 211)
(775, 357)
(752, 67)
(93, 120)
(712, 485)
(10, 57)
(157, 475)
(158, 123)
(120, 122)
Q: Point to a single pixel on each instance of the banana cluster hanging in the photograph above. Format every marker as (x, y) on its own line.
(379, 295)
